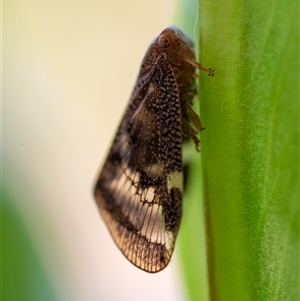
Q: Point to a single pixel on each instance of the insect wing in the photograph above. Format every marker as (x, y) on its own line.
(139, 190)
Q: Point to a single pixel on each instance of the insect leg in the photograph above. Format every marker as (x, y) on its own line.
(190, 131)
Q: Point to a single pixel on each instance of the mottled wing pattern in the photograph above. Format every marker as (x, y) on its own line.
(139, 190)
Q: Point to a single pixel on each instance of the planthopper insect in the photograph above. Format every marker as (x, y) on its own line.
(139, 189)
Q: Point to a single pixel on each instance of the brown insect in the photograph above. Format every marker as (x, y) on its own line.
(139, 190)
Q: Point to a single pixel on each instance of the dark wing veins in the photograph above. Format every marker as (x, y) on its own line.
(135, 190)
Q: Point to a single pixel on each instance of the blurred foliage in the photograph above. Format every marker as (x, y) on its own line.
(23, 276)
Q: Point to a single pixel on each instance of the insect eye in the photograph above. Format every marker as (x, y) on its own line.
(164, 42)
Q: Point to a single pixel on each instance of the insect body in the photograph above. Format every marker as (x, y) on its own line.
(139, 190)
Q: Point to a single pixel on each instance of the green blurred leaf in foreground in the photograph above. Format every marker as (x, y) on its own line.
(250, 150)
(23, 277)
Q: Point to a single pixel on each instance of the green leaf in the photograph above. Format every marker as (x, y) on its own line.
(250, 152)
(22, 272)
